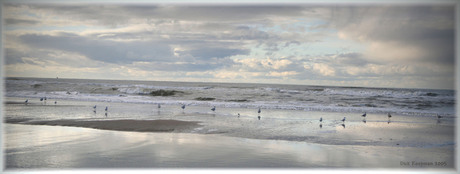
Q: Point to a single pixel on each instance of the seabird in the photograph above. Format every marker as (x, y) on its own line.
(106, 108)
(214, 108)
(364, 115)
(389, 115)
(94, 107)
(321, 119)
(27, 101)
(343, 120)
(258, 111)
(41, 99)
(55, 102)
(183, 107)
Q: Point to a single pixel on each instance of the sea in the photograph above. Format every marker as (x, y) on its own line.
(400, 101)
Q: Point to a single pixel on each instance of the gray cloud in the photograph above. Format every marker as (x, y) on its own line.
(101, 50)
(210, 52)
(208, 38)
(15, 21)
(426, 27)
(114, 15)
(353, 59)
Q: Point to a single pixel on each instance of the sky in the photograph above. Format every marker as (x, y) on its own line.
(363, 45)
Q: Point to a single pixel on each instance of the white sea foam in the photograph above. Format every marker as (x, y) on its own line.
(308, 98)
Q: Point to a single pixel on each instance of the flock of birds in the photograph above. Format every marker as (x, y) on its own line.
(43, 99)
(214, 109)
(106, 109)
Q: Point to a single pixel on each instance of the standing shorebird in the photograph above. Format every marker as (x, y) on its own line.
(238, 115)
(106, 108)
(183, 107)
(438, 116)
(258, 111)
(343, 120)
(55, 102)
(94, 107)
(364, 115)
(214, 108)
(27, 101)
(389, 115)
(321, 119)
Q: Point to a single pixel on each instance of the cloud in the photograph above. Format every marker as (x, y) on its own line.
(303, 43)
(213, 52)
(101, 50)
(324, 69)
(15, 21)
(400, 33)
(282, 74)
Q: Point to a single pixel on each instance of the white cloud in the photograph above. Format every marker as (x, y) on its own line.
(282, 74)
(323, 69)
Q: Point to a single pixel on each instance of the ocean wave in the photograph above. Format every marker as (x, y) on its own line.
(308, 98)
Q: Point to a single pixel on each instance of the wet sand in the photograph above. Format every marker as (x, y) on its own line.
(121, 125)
(32, 147)
(48, 136)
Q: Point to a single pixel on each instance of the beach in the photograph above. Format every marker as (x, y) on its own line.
(80, 123)
(132, 135)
